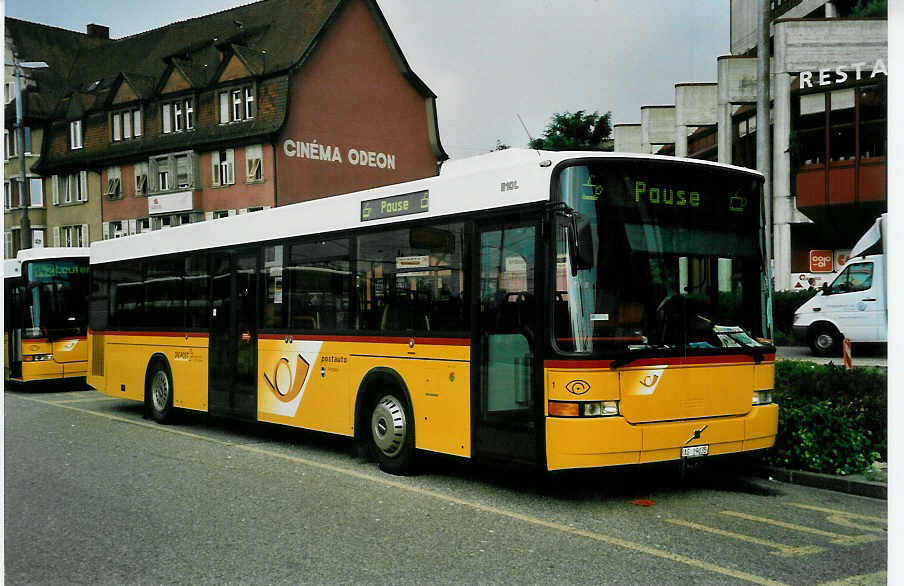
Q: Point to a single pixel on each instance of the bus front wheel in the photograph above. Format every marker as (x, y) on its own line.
(392, 434)
(158, 395)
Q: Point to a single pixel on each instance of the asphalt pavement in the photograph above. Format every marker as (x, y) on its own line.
(861, 355)
(96, 494)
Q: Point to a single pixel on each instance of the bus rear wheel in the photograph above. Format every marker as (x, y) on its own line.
(392, 434)
(158, 395)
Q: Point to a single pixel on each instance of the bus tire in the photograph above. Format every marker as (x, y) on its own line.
(158, 394)
(391, 433)
(824, 340)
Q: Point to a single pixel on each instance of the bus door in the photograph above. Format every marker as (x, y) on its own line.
(504, 342)
(13, 327)
(233, 334)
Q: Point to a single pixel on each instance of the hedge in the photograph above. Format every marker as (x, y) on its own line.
(784, 304)
(831, 420)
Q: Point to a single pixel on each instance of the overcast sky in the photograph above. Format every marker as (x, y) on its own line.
(490, 61)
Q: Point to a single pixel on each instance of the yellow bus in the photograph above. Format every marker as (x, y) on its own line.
(559, 309)
(46, 316)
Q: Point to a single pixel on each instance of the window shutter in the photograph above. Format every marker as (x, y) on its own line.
(106, 230)
(243, 211)
(208, 216)
(85, 239)
(8, 239)
(55, 189)
(83, 182)
(224, 107)
(231, 212)
(215, 168)
(266, 207)
(167, 120)
(56, 235)
(230, 168)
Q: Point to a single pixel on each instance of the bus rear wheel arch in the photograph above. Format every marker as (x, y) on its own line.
(158, 390)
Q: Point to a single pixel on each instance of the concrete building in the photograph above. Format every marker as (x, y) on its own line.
(262, 105)
(829, 126)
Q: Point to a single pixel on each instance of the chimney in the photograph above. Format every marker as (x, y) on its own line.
(98, 31)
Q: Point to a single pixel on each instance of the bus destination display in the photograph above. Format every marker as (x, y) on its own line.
(397, 205)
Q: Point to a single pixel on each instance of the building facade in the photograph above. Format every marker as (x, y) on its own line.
(829, 127)
(262, 105)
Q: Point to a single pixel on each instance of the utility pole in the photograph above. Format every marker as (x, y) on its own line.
(24, 195)
(764, 142)
(24, 184)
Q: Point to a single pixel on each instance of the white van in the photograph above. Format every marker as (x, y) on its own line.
(852, 306)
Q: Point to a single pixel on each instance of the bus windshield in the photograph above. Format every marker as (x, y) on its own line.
(55, 296)
(677, 264)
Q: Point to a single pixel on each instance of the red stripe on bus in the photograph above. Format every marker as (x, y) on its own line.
(370, 339)
(145, 333)
(47, 340)
(577, 363)
(726, 359)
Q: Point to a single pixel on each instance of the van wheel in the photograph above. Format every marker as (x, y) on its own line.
(392, 434)
(824, 340)
(158, 394)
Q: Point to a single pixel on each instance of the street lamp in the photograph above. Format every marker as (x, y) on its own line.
(24, 195)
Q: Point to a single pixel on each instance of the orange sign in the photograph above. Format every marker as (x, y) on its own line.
(821, 261)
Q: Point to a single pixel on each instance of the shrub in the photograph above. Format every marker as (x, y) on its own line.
(831, 420)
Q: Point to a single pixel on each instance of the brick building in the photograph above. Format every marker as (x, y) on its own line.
(262, 105)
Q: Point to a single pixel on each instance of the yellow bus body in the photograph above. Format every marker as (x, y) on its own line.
(69, 359)
(312, 383)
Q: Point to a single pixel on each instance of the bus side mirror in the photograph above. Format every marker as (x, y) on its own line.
(580, 243)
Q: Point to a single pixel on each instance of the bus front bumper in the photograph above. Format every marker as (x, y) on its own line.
(612, 441)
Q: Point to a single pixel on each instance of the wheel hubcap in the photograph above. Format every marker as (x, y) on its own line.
(824, 341)
(388, 425)
(160, 390)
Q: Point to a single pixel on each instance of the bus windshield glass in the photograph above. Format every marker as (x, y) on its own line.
(677, 265)
(55, 296)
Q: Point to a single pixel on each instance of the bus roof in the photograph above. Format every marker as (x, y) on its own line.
(30, 254)
(12, 268)
(495, 180)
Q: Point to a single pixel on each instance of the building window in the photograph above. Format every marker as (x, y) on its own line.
(142, 225)
(178, 116)
(9, 144)
(37, 238)
(172, 171)
(35, 192)
(114, 229)
(114, 183)
(141, 179)
(254, 163)
(72, 236)
(223, 167)
(67, 189)
(75, 134)
(236, 105)
(126, 124)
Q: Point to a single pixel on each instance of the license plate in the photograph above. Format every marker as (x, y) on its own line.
(695, 451)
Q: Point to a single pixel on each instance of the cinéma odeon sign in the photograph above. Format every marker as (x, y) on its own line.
(334, 154)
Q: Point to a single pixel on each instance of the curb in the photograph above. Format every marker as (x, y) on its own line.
(847, 484)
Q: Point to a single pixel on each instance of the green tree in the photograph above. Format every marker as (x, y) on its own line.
(577, 130)
(870, 8)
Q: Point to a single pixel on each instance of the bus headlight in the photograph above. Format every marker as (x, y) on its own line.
(583, 408)
(762, 397)
(37, 357)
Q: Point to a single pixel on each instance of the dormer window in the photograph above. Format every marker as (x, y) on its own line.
(126, 124)
(178, 116)
(236, 104)
(75, 134)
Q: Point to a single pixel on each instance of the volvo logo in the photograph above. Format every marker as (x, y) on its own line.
(577, 387)
(697, 434)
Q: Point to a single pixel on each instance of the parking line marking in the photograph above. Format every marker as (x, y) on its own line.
(779, 548)
(836, 538)
(877, 579)
(845, 519)
(601, 537)
(84, 399)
